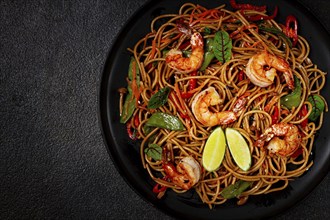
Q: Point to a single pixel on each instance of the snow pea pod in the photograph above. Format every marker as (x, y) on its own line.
(166, 121)
(294, 98)
(130, 100)
(208, 55)
(235, 189)
(128, 107)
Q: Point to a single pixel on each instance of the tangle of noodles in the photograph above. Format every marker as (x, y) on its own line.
(268, 172)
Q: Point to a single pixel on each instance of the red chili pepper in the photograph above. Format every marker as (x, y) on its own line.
(157, 190)
(192, 85)
(184, 116)
(263, 17)
(297, 153)
(130, 131)
(186, 95)
(291, 28)
(275, 116)
(246, 6)
(136, 120)
(241, 75)
(303, 112)
(192, 82)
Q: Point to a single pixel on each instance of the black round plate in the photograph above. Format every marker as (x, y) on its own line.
(125, 153)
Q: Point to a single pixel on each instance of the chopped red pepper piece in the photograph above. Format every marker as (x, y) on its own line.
(291, 28)
(136, 120)
(184, 116)
(263, 17)
(241, 75)
(275, 116)
(186, 95)
(158, 188)
(303, 112)
(131, 131)
(246, 6)
(192, 85)
(192, 82)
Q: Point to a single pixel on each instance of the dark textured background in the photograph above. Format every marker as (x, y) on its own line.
(53, 162)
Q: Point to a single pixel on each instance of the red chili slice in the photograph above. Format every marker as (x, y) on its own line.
(275, 116)
(130, 131)
(303, 112)
(291, 28)
(241, 75)
(246, 6)
(192, 82)
(158, 188)
(186, 95)
(263, 17)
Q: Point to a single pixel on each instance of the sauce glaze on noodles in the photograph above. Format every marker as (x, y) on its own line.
(268, 173)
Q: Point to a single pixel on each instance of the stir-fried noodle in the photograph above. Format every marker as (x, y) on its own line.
(258, 46)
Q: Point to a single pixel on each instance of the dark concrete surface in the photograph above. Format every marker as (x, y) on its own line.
(53, 161)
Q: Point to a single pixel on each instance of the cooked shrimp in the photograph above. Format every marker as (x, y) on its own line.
(283, 147)
(261, 69)
(186, 174)
(175, 59)
(210, 97)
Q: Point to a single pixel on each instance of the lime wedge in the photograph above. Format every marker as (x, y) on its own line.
(239, 149)
(214, 150)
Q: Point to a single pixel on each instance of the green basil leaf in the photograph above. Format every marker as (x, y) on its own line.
(159, 99)
(154, 151)
(235, 189)
(318, 106)
(166, 121)
(222, 46)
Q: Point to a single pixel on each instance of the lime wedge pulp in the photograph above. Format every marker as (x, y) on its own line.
(239, 149)
(214, 150)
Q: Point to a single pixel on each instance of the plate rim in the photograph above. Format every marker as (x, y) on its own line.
(104, 125)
